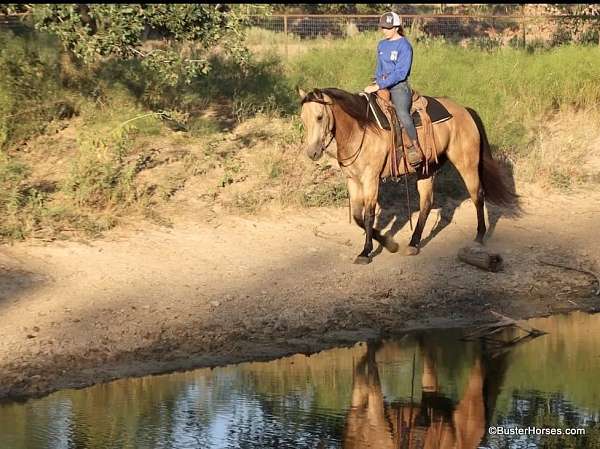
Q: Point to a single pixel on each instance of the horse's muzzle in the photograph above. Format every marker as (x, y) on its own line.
(314, 152)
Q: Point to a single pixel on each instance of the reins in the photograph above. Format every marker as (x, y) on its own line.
(356, 153)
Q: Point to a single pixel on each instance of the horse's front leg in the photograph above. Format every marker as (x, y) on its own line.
(364, 257)
(363, 199)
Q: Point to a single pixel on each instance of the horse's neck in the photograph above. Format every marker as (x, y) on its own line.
(347, 130)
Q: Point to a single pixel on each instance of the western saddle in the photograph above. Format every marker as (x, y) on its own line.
(397, 149)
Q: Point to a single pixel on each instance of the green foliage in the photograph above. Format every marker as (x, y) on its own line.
(262, 87)
(31, 94)
(95, 31)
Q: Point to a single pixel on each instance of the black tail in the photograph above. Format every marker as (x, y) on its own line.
(490, 173)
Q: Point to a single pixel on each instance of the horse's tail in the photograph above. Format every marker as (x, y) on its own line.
(490, 173)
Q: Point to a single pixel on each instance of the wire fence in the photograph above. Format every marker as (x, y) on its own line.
(486, 30)
(12, 22)
(499, 30)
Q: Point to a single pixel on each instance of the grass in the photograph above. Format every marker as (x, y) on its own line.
(562, 152)
(235, 133)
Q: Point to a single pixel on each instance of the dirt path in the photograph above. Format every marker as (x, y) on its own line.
(232, 289)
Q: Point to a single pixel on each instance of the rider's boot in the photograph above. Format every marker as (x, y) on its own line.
(414, 154)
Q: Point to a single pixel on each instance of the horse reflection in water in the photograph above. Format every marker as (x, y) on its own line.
(436, 423)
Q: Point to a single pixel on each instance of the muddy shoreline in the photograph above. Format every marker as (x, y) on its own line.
(207, 293)
(183, 351)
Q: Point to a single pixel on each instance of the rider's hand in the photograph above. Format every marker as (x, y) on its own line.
(371, 88)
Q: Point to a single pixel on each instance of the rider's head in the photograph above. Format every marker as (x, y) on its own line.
(390, 23)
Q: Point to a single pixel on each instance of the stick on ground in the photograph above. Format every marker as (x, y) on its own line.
(581, 270)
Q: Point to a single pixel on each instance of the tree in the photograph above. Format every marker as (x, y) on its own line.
(190, 32)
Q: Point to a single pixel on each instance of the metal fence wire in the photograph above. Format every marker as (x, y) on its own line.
(498, 30)
(502, 29)
(12, 22)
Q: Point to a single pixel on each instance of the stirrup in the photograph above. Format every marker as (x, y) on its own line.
(413, 157)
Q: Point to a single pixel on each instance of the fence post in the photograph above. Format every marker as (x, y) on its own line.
(285, 34)
(523, 24)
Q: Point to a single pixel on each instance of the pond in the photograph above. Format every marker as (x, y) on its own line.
(427, 389)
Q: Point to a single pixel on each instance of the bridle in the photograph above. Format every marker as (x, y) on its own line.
(327, 129)
(331, 131)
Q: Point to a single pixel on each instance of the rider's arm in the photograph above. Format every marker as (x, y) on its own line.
(378, 70)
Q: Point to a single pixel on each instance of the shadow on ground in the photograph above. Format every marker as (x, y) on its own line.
(398, 199)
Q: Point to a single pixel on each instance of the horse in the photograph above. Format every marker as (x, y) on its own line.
(362, 151)
(434, 421)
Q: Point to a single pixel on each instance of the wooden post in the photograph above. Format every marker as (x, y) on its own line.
(285, 34)
(523, 24)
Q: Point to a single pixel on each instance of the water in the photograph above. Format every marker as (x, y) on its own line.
(424, 390)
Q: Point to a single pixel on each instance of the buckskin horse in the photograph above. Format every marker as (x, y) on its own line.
(362, 151)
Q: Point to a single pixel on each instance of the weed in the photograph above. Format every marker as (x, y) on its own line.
(326, 194)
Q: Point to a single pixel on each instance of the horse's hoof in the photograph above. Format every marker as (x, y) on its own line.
(362, 260)
(411, 251)
(391, 246)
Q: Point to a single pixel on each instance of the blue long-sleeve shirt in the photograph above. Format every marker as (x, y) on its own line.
(394, 60)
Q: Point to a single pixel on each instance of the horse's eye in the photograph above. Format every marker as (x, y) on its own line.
(319, 117)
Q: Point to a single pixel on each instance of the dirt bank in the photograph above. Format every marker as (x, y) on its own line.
(215, 289)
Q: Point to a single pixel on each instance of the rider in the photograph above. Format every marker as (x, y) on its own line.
(394, 61)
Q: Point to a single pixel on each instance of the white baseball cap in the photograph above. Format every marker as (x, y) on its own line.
(389, 20)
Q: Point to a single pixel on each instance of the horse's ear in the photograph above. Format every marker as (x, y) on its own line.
(301, 92)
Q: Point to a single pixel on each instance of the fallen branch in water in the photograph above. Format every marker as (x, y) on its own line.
(504, 322)
(581, 270)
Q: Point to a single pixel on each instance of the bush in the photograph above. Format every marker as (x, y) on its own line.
(31, 93)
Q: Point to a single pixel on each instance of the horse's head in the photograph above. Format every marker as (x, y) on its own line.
(318, 121)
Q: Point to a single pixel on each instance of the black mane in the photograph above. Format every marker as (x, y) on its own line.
(354, 105)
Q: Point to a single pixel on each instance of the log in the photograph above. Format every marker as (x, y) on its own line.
(481, 258)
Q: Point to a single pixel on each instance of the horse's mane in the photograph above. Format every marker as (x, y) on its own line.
(354, 105)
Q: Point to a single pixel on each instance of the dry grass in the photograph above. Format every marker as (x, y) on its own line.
(264, 166)
(564, 152)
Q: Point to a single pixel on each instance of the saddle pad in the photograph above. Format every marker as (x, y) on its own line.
(435, 109)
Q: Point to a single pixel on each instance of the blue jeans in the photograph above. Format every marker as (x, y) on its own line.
(402, 98)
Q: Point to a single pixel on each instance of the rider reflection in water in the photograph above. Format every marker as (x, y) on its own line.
(394, 61)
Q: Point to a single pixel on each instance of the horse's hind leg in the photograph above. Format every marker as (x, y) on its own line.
(425, 188)
(476, 193)
(470, 175)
